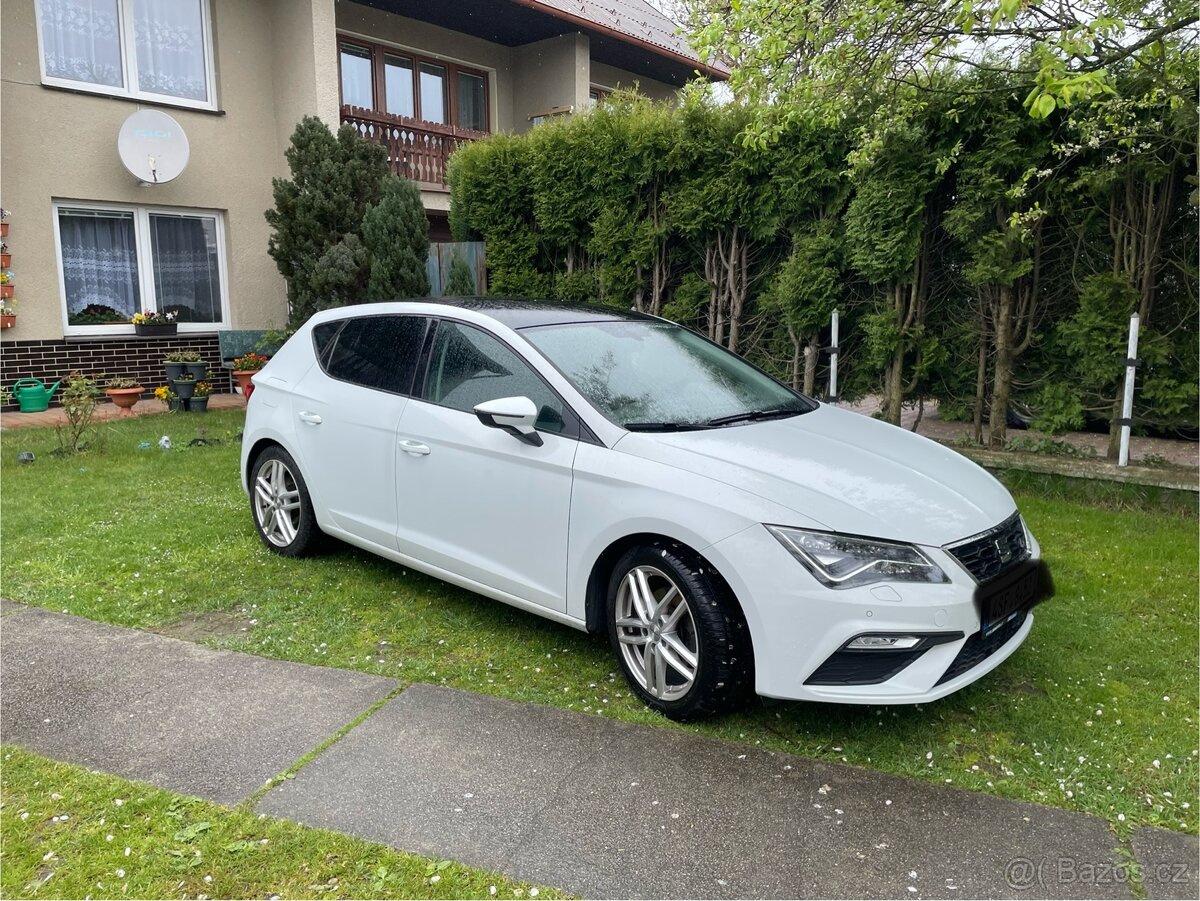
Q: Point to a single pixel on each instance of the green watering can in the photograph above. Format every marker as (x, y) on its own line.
(32, 395)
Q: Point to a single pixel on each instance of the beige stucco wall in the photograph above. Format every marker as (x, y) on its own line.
(610, 77)
(59, 144)
(550, 73)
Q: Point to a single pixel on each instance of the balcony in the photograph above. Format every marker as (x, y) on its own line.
(416, 150)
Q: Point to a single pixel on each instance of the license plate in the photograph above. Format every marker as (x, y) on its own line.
(1017, 591)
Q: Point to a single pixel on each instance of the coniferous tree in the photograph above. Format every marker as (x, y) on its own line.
(461, 282)
(396, 235)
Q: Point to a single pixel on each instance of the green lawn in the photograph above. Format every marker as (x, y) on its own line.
(1097, 712)
(70, 833)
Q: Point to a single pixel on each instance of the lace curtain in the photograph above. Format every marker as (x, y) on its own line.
(99, 258)
(186, 276)
(82, 42)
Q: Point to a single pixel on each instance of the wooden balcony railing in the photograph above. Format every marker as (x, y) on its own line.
(416, 150)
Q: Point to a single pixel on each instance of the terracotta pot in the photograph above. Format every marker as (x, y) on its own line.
(125, 398)
(243, 377)
(3, 229)
(8, 321)
(5, 260)
(6, 291)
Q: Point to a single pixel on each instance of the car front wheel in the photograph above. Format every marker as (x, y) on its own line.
(678, 633)
(282, 508)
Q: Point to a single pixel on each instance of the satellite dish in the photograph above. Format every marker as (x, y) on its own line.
(153, 147)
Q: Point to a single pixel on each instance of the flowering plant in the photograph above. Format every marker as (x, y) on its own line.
(250, 362)
(202, 389)
(121, 382)
(152, 317)
(165, 394)
(8, 308)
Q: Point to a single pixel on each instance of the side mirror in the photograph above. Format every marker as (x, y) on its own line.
(515, 415)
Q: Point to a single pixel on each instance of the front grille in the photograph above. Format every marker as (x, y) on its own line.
(979, 648)
(984, 556)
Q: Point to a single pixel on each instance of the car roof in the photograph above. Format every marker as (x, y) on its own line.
(519, 313)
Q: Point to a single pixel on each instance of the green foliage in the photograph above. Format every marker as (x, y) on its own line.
(461, 282)
(79, 394)
(395, 235)
(334, 180)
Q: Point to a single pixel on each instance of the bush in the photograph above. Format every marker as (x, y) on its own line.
(396, 240)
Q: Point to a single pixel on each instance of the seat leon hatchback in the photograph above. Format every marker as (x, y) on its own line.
(621, 474)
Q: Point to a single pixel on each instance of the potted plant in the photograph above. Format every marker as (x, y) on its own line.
(149, 323)
(5, 256)
(8, 314)
(184, 386)
(174, 363)
(125, 392)
(200, 395)
(169, 398)
(194, 363)
(6, 284)
(245, 366)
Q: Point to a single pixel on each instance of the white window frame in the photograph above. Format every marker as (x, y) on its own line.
(145, 265)
(129, 75)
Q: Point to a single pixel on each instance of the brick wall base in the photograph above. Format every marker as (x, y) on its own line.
(100, 358)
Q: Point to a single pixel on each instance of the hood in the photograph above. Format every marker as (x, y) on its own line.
(841, 471)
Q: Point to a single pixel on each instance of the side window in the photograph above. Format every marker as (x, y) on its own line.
(323, 336)
(468, 367)
(378, 352)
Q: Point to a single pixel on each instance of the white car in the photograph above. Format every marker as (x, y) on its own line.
(619, 473)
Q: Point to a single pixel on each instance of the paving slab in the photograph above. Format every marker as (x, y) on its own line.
(203, 722)
(608, 809)
(1169, 863)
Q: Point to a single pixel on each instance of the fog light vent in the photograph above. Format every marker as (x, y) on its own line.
(883, 643)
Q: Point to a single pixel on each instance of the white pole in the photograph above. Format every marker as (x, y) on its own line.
(833, 358)
(1127, 402)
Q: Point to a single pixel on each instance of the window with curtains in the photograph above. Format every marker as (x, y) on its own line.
(406, 84)
(117, 262)
(154, 49)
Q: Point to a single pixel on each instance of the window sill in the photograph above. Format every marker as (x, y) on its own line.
(139, 100)
(104, 334)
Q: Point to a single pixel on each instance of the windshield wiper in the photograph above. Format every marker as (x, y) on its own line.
(664, 426)
(753, 416)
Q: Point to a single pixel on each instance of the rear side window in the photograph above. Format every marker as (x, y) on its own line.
(378, 352)
(323, 336)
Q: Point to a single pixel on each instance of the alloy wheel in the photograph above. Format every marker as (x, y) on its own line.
(657, 633)
(277, 502)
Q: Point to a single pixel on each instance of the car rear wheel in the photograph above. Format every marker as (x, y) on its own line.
(282, 508)
(677, 632)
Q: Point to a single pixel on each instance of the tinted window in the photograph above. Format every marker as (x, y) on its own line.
(323, 336)
(378, 352)
(469, 366)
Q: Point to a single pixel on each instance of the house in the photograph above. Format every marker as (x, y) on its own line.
(91, 242)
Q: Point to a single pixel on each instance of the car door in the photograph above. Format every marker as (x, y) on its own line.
(475, 500)
(347, 411)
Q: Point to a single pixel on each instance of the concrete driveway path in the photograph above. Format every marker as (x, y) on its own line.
(593, 806)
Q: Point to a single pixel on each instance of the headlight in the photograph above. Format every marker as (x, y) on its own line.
(839, 561)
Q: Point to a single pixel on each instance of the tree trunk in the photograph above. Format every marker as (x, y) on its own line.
(796, 356)
(812, 355)
(1002, 369)
(1113, 453)
(980, 379)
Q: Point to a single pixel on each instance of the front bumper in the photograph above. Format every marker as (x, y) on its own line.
(800, 628)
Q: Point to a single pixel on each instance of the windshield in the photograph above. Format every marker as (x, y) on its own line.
(655, 376)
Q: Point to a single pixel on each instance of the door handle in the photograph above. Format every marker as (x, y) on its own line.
(414, 448)
(310, 418)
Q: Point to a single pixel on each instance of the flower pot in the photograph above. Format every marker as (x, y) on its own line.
(5, 260)
(174, 405)
(174, 370)
(3, 229)
(8, 320)
(156, 331)
(6, 291)
(198, 370)
(243, 377)
(125, 398)
(184, 388)
(198, 404)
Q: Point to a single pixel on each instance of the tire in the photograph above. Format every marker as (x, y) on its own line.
(701, 660)
(281, 506)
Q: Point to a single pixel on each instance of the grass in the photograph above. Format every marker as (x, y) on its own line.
(1097, 712)
(70, 833)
